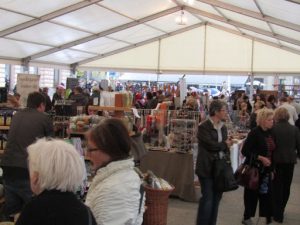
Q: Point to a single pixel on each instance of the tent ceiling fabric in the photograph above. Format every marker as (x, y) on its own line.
(239, 36)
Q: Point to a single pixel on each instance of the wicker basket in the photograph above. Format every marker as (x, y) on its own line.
(157, 206)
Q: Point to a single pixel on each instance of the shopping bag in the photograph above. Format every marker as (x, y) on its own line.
(223, 176)
(247, 176)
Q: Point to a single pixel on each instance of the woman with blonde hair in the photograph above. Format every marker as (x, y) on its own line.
(258, 147)
(56, 172)
(287, 139)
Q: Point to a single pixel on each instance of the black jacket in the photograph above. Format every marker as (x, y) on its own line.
(79, 100)
(287, 142)
(27, 126)
(255, 144)
(55, 208)
(209, 147)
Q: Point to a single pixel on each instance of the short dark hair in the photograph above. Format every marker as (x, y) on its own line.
(78, 89)
(216, 106)
(111, 136)
(149, 95)
(35, 99)
(283, 99)
(271, 98)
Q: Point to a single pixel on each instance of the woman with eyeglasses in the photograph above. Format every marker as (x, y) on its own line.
(213, 143)
(114, 195)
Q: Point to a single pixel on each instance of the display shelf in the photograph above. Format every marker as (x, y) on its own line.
(4, 127)
(109, 108)
(184, 133)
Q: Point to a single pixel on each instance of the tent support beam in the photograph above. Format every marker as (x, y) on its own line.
(105, 33)
(263, 15)
(252, 14)
(241, 25)
(255, 38)
(47, 17)
(141, 43)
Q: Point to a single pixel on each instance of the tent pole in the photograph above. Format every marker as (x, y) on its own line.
(252, 74)
(158, 60)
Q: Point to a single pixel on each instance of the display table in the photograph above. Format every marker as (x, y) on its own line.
(176, 168)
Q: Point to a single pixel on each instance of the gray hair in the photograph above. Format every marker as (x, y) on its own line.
(216, 106)
(281, 114)
(58, 165)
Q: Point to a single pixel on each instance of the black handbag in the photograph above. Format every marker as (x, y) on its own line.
(223, 176)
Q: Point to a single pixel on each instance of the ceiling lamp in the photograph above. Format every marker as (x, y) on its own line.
(190, 2)
(181, 19)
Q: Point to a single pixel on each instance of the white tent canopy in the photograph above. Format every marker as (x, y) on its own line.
(220, 36)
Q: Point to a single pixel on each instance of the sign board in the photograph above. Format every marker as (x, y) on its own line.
(27, 83)
(72, 83)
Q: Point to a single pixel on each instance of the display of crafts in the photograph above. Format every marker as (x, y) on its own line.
(154, 182)
(84, 122)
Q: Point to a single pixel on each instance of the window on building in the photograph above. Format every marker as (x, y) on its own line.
(16, 69)
(2, 75)
(47, 77)
(14, 73)
(64, 74)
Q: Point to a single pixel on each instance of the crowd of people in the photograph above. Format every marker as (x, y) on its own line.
(35, 164)
(272, 146)
(51, 170)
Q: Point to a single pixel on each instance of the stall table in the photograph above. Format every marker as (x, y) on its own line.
(176, 168)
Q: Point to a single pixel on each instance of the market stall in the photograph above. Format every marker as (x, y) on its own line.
(176, 168)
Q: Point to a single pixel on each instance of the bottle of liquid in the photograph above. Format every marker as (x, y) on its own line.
(264, 186)
(2, 121)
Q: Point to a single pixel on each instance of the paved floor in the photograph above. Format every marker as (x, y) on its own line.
(231, 208)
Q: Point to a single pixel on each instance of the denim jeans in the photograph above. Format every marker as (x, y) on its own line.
(209, 203)
(17, 194)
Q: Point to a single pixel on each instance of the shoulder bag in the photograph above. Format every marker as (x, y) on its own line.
(247, 175)
(223, 176)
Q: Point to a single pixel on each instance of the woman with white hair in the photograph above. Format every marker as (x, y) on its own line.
(56, 171)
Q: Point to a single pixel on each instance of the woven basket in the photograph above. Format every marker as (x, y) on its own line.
(157, 206)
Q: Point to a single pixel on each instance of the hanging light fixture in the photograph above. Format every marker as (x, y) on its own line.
(190, 2)
(181, 19)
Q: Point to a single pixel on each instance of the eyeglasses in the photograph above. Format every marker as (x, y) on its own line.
(87, 149)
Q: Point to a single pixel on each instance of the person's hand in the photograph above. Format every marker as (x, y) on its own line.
(265, 161)
(229, 142)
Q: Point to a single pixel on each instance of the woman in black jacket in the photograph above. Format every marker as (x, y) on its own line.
(285, 157)
(212, 143)
(259, 146)
(56, 172)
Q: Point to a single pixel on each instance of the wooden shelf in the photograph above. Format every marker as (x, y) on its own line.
(4, 127)
(109, 108)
